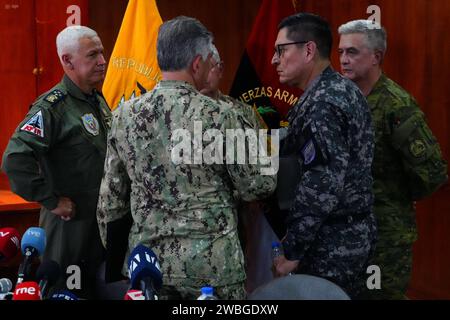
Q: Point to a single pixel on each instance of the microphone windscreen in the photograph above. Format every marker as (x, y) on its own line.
(27, 291)
(5, 285)
(34, 238)
(63, 295)
(9, 243)
(48, 270)
(143, 263)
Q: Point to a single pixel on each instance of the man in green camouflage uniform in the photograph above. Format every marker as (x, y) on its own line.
(183, 210)
(408, 163)
(56, 156)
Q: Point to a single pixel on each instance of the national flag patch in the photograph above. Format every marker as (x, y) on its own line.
(309, 152)
(35, 125)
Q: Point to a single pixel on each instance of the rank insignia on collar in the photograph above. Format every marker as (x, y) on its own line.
(54, 96)
(90, 124)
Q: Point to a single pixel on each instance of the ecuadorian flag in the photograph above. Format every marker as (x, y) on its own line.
(133, 66)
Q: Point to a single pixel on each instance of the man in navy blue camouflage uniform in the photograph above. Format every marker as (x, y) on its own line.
(331, 228)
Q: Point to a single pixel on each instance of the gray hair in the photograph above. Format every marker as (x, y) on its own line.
(68, 39)
(215, 54)
(374, 32)
(180, 41)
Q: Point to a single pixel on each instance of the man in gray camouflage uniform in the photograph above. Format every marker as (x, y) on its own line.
(184, 212)
(331, 226)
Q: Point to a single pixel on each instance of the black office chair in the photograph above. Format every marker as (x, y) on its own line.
(299, 287)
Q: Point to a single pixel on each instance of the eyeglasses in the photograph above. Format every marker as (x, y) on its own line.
(279, 47)
(217, 65)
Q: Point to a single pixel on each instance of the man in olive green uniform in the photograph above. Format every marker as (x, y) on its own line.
(56, 157)
(182, 207)
(408, 163)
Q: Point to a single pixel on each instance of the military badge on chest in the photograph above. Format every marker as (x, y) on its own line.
(90, 124)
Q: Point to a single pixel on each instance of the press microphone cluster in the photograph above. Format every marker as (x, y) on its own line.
(145, 272)
(32, 246)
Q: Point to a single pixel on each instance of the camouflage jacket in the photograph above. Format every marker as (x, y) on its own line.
(185, 212)
(408, 163)
(330, 129)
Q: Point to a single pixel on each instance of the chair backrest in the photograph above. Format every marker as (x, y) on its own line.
(299, 287)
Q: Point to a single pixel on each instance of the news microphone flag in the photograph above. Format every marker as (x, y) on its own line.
(134, 295)
(9, 243)
(33, 240)
(33, 245)
(63, 295)
(133, 67)
(27, 291)
(143, 263)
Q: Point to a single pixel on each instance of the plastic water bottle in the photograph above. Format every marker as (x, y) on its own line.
(276, 250)
(207, 294)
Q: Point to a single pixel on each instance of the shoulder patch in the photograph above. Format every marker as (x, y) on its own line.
(54, 96)
(35, 125)
(309, 152)
(417, 148)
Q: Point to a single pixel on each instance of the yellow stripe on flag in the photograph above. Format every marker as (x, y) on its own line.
(133, 66)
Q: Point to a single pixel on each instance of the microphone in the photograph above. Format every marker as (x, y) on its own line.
(63, 295)
(9, 243)
(134, 295)
(27, 291)
(145, 272)
(33, 245)
(5, 287)
(47, 274)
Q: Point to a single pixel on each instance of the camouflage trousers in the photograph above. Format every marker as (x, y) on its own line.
(396, 265)
(230, 292)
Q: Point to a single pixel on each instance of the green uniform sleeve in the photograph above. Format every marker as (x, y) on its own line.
(114, 197)
(247, 177)
(421, 154)
(22, 163)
